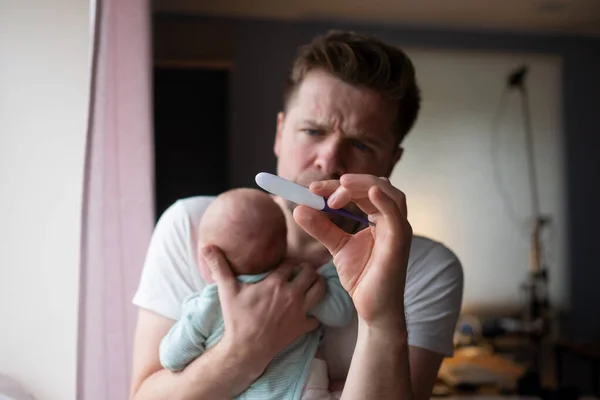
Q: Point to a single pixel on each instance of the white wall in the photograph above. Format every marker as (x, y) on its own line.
(448, 169)
(44, 79)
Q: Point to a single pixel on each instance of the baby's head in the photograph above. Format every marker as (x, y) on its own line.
(250, 229)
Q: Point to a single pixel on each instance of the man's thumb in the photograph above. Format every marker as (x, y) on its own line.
(219, 268)
(316, 224)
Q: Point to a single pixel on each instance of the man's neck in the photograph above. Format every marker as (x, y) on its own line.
(301, 246)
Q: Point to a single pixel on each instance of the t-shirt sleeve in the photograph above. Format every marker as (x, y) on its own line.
(168, 277)
(433, 300)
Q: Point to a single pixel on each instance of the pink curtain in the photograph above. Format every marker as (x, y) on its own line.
(118, 197)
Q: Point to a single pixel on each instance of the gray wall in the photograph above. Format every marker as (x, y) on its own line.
(262, 51)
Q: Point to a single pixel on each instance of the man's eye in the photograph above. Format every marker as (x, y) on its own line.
(312, 132)
(360, 145)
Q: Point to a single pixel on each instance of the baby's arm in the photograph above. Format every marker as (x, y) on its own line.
(336, 308)
(186, 340)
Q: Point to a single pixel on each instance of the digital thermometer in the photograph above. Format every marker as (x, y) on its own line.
(300, 195)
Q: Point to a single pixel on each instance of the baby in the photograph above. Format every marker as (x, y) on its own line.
(250, 228)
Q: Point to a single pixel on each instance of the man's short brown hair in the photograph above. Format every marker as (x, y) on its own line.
(362, 61)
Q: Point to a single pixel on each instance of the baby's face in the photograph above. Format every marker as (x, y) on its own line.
(250, 229)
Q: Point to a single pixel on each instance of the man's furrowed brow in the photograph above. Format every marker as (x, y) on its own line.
(315, 123)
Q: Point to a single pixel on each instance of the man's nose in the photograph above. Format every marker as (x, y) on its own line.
(330, 158)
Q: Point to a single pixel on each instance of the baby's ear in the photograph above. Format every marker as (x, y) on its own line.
(205, 272)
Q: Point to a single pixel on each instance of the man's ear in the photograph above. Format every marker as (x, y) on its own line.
(277, 144)
(395, 158)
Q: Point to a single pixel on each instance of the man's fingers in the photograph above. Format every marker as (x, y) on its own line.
(355, 188)
(305, 278)
(217, 264)
(314, 294)
(387, 207)
(282, 273)
(324, 188)
(321, 228)
(339, 198)
(365, 205)
(359, 185)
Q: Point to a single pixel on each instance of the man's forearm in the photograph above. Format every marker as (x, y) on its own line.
(217, 374)
(380, 365)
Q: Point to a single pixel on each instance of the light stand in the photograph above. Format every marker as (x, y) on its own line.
(536, 316)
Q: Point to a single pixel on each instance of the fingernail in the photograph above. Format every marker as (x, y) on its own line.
(316, 185)
(332, 199)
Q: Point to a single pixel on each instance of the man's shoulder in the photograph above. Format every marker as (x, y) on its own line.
(422, 246)
(433, 295)
(430, 257)
(170, 272)
(194, 206)
(184, 210)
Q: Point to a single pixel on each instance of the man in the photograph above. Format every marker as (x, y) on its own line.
(349, 103)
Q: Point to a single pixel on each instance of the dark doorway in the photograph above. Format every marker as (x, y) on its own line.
(190, 133)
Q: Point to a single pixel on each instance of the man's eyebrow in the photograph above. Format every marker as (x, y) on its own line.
(358, 134)
(313, 122)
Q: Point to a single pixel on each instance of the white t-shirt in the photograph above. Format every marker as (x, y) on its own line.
(432, 298)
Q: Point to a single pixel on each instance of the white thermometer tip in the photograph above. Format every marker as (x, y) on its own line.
(289, 190)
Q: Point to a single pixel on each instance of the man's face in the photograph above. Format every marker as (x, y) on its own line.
(332, 128)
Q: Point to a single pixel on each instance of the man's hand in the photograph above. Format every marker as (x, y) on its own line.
(260, 320)
(268, 315)
(372, 267)
(372, 263)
